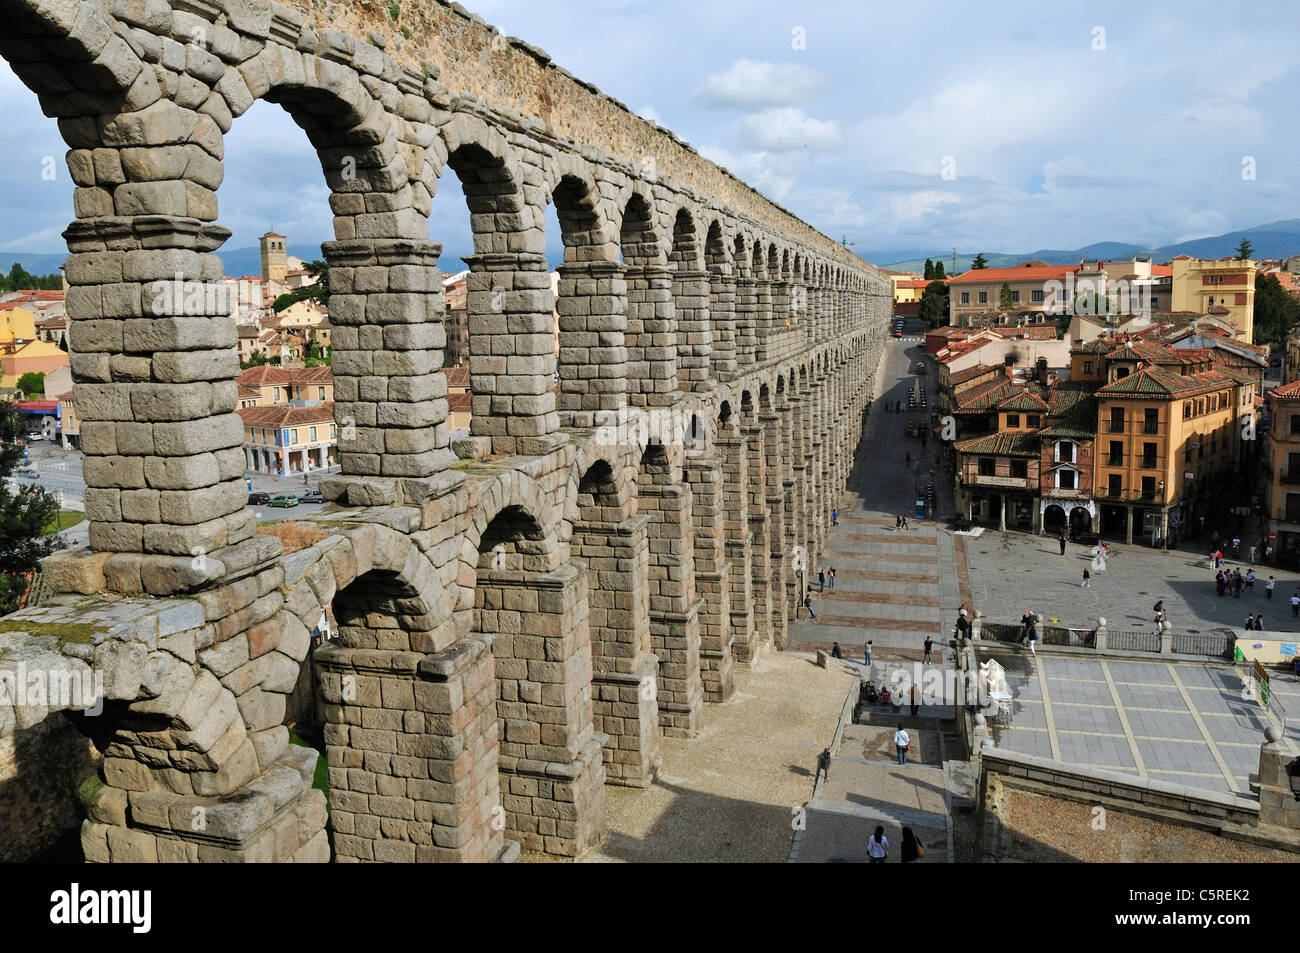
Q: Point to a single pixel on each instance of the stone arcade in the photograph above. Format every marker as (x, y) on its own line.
(521, 616)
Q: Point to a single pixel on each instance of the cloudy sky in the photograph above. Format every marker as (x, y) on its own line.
(911, 127)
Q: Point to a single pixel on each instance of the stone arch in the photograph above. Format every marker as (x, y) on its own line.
(690, 288)
(722, 302)
(651, 335)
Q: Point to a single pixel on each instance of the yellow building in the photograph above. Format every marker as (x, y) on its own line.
(1229, 283)
(1167, 442)
(270, 386)
(16, 325)
(39, 357)
(285, 440)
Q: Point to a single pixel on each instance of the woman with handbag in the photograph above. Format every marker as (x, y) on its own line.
(912, 849)
(902, 743)
(877, 845)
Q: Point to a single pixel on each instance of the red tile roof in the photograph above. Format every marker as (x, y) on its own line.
(287, 416)
(268, 375)
(1021, 272)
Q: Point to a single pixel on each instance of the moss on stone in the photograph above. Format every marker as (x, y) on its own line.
(81, 632)
(88, 793)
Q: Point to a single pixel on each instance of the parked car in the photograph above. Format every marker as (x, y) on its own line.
(35, 435)
(311, 496)
(898, 334)
(259, 499)
(27, 473)
(284, 499)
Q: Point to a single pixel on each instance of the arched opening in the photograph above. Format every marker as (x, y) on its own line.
(650, 337)
(722, 304)
(691, 305)
(614, 547)
(591, 302)
(549, 761)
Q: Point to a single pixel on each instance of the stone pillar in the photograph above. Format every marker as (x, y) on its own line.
(674, 607)
(1278, 806)
(694, 337)
(551, 761)
(722, 320)
(403, 795)
(778, 544)
(746, 313)
(593, 355)
(735, 462)
(796, 501)
(712, 574)
(1128, 524)
(651, 338)
(761, 542)
(765, 329)
(511, 355)
(154, 365)
(1002, 511)
(780, 338)
(390, 403)
(617, 556)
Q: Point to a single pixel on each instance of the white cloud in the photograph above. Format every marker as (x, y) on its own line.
(773, 175)
(785, 130)
(756, 84)
(650, 113)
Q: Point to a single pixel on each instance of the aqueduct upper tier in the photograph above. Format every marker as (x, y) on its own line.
(520, 614)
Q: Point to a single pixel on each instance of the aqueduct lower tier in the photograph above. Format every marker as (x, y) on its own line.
(520, 616)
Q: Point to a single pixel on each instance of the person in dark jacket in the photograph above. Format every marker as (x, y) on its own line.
(911, 849)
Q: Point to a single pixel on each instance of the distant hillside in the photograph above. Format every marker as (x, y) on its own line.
(1272, 240)
(237, 261)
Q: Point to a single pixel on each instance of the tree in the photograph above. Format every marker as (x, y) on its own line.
(317, 291)
(316, 355)
(929, 270)
(1244, 249)
(63, 343)
(938, 268)
(934, 304)
(979, 263)
(19, 279)
(1276, 312)
(25, 511)
(33, 382)
(1004, 297)
(258, 359)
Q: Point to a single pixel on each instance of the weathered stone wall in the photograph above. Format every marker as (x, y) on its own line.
(41, 768)
(522, 615)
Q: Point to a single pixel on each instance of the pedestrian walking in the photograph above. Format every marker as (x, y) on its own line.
(1062, 542)
(929, 649)
(1250, 622)
(898, 523)
(911, 849)
(1087, 579)
(1236, 547)
(866, 651)
(807, 604)
(1250, 580)
(1259, 622)
(1295, 604)
(878, 845)
(831, 577)
(821, 580)
(904, 521)
(1159, 610)
(1252, 555)
(902, 743)
(835, 517)
(1269, 587)
(835, 651)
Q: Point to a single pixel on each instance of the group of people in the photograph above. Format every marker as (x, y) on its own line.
(1234, 582)
(900, 523)
(1255, 623)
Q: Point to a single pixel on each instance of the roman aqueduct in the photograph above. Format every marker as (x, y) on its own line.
(520, 616)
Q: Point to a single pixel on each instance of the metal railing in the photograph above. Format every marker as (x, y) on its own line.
(1133, 641)
(1218, 644)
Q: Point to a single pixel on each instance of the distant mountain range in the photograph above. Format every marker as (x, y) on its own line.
(1274, 240)
(238, 261)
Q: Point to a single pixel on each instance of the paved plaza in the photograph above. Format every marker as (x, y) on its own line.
(1180, 722)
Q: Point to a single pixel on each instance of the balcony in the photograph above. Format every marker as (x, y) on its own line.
(1151, 428)
(1292, 479)
(1115, 426)
(1115, 461)
(1149, 463)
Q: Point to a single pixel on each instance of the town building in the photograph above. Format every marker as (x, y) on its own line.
(285, 440)
(1201, 284)
(1282, 461)
(288, 386)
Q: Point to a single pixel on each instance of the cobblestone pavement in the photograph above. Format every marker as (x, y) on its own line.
(1180, 722)
(730, 794)
(894, 588)
(1010, 572)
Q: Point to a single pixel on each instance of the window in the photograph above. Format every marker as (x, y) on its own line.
(1015, 297)
(320, 393)
(1214, 403)
(275, 394)
(311, 436)
(1066, 478)
(1116, 458)
(1065, 452)
(1087, 367)
(988, 466)
(1151, 420)
(1115, 486)
(1293, 464)
(1293, 507)
(984, 297)
(1148, 488)
(965, 297)
(1121, 372)
(1148, 456)
(1020, 468)
(1013, 420)
(1031, 420)
(331, 431)
(1200, 406)
(1117, 420)
(1187, 410)
(1036, 296)
(1295, 424)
